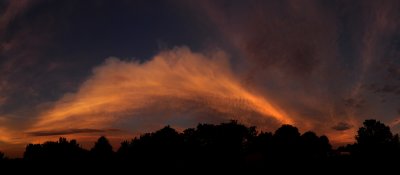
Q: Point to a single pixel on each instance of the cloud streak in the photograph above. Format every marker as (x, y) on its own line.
(13, 9)
(180, 78)
(342, 126)
(309, 56)
(70, 131)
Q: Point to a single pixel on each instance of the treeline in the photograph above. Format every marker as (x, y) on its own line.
(229, 145)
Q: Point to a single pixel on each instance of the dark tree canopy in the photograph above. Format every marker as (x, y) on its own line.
(375, 140)
(230, 147)
(374, 133)
(102, 149)
(287, 133)
(60, 150)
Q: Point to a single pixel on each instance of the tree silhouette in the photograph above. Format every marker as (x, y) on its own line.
(222, 145)
(1, 155)
(102, 150)
(62, 150)
(314, 147)
(227, 147)
(310, 145)
(325, 148)
(375, 140)
(286, 142)
(374, 132)
(124, 151)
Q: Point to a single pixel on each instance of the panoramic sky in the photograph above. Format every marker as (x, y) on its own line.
(81, 69)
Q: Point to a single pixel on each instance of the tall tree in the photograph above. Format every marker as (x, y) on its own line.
(102, 149)
(375, 139)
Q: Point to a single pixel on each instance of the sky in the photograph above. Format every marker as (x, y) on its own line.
(81, 69)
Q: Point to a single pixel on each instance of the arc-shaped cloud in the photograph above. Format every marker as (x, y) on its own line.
(119, 89)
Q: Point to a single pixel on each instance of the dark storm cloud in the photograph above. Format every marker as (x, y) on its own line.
(342, 126)
(71, 131)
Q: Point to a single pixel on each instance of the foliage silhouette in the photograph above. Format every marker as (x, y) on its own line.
(63, 150)
(375, 141)
(102, 150)
(226, 147)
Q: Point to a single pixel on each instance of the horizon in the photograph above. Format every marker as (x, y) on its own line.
(82, 69)
(116, 141)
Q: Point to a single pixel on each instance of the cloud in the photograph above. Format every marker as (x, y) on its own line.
(162, 90)
(384, 91)
(354, 102)
(4, 89)
(13, 9)
(10, 11)
(342, 126)
(292, 37)
(9, 135)
(395, 123)
(70, 131)
(291, 52)
(25, 32)
(394, 71)
(6, 135)
(293, 62)
(309, 56)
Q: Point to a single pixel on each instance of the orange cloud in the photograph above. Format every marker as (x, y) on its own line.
(120, 90)
(395, 122)
(8, 136)
(4, 136)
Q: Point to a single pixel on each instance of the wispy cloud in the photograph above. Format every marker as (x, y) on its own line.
(342, 126)
(119, 90)
(70, 131)
(13, 9)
